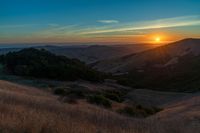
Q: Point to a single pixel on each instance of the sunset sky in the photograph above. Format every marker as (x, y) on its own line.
(133, 21)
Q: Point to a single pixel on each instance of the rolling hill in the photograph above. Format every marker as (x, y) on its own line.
(158, 57)
(173, 67)
(91, 54)
(86, 53)
(40, 63)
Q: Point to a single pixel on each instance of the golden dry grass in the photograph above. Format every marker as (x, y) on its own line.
(29, 110)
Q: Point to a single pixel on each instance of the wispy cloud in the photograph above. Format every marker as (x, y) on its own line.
(57, 31)
(108, 21)
(110, 29)
(53, 25)
(17, 26)
(115, 30)
(153, 24)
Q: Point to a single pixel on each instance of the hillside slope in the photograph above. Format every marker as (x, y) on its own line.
(173, 67)
(41, 63)
(28, 109)
(186, 112)
(159, 57)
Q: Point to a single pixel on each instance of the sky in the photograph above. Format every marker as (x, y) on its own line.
(120, 21)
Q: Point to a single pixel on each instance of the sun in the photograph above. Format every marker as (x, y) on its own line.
(157, 39)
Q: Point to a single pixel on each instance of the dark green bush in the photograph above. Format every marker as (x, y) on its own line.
(156, 109)
(147, 111)
(113, 97)
(71, 99)
(130, 111)
(60, 91)
(139, 111)
(99, 100)
(78, 93)
(139, 106)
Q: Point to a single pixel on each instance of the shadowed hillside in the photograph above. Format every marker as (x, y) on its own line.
(173, 67)
(32, 62)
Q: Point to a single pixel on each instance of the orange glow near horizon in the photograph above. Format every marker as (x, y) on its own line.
(157, 39)
(154, 38)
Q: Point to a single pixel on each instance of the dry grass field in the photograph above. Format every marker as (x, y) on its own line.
(25, 109)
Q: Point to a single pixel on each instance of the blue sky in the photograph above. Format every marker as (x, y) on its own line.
(97, 20)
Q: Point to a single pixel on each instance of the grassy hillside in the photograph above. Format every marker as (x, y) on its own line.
(26, 109)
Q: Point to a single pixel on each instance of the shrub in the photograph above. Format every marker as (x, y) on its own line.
(71, 99)
(130, 111)
(99, 100)
(77, 93)
(139, 106)
(156, 109)
(113, 97)
(147, 111)
(139, 111)
(60, 91)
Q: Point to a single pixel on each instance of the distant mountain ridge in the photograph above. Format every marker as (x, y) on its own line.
(89, 53)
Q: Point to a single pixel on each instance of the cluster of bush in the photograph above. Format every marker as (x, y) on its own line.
(139, 111)
(103, 98)
(40, 63)
(99, 100)
(74, 94)
(114, 95)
